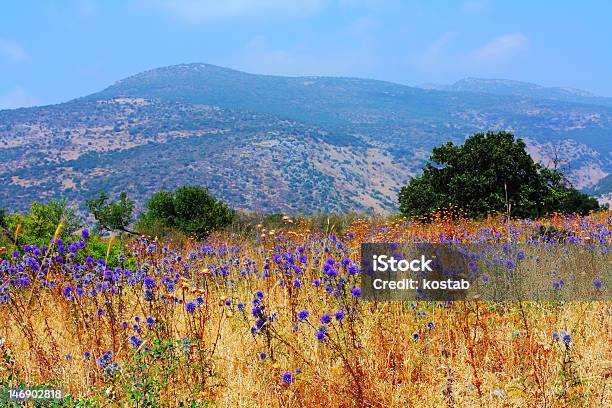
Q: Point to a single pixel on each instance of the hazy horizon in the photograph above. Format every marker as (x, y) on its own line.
(52, 53)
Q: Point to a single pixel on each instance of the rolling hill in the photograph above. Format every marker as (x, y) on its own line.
(290, 144)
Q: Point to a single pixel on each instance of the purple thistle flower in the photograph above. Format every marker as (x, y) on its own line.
(325, 318)
(149, 282)
(287, 377)
(302, 315)
(190, 307)
(339, 315)
(135, 341)
(597, 283)
(356, 292)
(567, 339)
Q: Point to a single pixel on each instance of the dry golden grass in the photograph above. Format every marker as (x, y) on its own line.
(477, 354)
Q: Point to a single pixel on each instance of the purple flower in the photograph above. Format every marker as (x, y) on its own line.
(302, 315)
(263, 355)
(597, 283)
(325, 318)
(190, 307)
(149, 282)
(135, 341)
(339, 315)
(150, 322)
(287, 377)
(356, 292)
(567, 339)
(320, 335)
(85, 233)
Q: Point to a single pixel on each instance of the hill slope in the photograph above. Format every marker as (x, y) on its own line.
(275, 143)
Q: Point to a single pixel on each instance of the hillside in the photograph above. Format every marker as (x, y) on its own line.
(277, 143)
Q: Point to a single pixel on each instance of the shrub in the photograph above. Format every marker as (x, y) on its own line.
(189, 209)
(41, 223)
(112, 215)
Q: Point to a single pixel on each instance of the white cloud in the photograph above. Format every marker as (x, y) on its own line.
(499, 49)
(18, 97)
(199, 11)
(476, 6)
(12, 51)
(434, 56)
(259, 57)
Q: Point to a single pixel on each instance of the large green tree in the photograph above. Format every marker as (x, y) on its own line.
(490, 172)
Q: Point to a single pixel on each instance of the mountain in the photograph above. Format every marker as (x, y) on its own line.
(272, 143)
(522, 89)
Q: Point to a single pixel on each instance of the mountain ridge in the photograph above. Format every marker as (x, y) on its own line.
(273, 143)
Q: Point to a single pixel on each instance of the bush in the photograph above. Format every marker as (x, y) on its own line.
(490, 172)
(112, 215)
(39, 226)
(190, 209)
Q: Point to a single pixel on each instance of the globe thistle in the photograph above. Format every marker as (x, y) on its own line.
(339, 315)
(325, 318)
(135, 341)
(287, 377)
(149, 282)
(597, 283)
(567, 340)
(190, 307)
(320, 335)
(356, 292)
(150, 322)
(302, 315)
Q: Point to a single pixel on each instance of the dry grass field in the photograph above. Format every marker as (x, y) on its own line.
(279, 321)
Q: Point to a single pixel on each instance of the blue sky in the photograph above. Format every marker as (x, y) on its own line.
(55, 51)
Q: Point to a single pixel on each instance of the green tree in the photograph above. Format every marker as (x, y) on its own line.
(189, 209)
(41, 223)
(490, 172)
(112, 215)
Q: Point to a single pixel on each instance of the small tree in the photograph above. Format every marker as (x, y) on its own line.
(41, 223)
(112, 215)
(490, 172)
(190, 209)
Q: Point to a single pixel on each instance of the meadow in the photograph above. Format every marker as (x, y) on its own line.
(278, 319)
